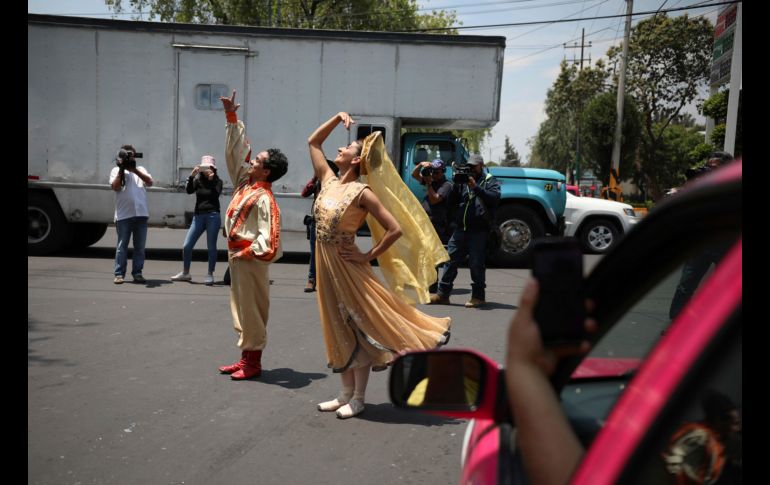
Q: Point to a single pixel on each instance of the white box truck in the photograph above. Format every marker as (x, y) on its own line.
(96, 84)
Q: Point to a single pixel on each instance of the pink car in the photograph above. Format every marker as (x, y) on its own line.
(658, 398)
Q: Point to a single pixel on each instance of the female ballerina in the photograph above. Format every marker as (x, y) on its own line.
(364, 323)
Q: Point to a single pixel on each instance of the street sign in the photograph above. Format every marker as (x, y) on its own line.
(724, 37)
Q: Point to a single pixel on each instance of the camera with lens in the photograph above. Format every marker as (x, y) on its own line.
(426, 171)
(127, 158)
(460, 173)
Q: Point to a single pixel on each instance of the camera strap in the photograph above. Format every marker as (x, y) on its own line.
(487, 215)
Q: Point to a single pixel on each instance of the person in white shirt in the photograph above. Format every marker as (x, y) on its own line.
(129, 182)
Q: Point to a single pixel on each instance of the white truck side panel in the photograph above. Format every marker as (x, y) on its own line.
(426, 73)
(94, 88)
(63, 116)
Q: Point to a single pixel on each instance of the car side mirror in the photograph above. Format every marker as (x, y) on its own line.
(456, 383)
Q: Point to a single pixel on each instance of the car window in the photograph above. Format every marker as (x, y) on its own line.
(639, 328)
(588, 402)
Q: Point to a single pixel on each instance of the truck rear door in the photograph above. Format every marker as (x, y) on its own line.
(205, 74)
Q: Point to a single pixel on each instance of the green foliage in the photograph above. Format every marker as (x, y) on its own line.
(718, 135)
(680, 148)
(474, 140)
(373, 15)
(701, 153)
(598, 134)
(554, 145)
(510, 156)
(668, 63)
(716, 106)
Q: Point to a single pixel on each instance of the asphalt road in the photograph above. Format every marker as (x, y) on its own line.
(123, 386)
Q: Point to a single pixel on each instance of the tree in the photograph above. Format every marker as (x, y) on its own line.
(715, 107)
(375, 15)
(682, 148)
(554, 145)
(511, 156)
(598, 134)
(668, 63)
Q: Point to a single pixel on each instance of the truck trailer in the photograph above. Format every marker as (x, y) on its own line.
(94, 85)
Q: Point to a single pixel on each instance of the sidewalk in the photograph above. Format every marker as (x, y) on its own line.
(165, 238)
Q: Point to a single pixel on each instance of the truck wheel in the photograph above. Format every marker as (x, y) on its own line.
(85, 234)
(519, 227)
(598, 236)
(48, 231)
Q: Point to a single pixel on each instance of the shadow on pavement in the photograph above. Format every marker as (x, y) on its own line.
(289, 378)
(387, 413)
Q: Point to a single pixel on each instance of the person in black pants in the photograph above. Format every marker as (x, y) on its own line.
(694, 269)
(313, 187)
(475, 202)
(207, 187)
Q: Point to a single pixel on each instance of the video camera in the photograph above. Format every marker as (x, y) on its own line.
(127, 159)
(460, 173)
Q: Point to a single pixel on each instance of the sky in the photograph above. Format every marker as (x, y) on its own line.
(532, 55)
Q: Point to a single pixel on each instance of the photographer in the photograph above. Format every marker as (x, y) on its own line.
(475, 196)
(435, 203)
(207, 187)
(131, 213)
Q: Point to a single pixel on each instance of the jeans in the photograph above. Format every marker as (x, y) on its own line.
(692, 273)
(126, 227)
(462, 244)
(209, 222)
(311, 269)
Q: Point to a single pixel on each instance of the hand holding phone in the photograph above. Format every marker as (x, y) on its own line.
(560, 309)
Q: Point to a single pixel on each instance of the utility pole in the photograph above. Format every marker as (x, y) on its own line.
(577, 121)
(614, 190)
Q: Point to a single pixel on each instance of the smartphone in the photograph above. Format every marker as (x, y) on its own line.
(560, 309)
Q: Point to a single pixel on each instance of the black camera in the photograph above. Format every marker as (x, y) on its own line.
(461, 173)
(426, 171)
(127, 158)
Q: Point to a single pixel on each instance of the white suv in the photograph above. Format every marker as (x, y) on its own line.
(597, 223)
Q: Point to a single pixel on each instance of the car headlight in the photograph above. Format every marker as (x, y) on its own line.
(630, 212)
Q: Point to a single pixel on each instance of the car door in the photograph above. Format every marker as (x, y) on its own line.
(687, 354)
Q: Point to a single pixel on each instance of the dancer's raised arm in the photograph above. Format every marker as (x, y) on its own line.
(320, 167)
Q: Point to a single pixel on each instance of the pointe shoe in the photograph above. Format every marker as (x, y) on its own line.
(335, 403)
(353, 408)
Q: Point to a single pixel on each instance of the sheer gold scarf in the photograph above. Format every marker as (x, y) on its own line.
(409, 265)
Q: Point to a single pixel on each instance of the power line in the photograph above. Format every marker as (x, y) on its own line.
(543, 26)
(554, 46)
(519, 24)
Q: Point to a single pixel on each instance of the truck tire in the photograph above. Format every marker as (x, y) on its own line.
(598, 236)
(519, 227)
(85, 234)
(48, 230)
